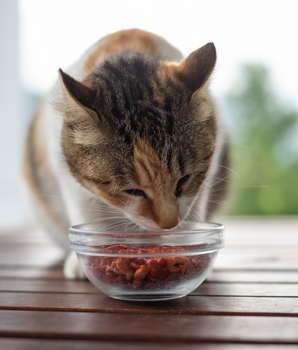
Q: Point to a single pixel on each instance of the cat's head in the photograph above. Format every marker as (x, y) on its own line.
(139, 133)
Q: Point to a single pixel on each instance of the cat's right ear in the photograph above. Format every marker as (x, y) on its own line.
(196, 69)
(81, 94)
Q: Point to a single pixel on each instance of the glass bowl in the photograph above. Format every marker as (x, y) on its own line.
(147, 265)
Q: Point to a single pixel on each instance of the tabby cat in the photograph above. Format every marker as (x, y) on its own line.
(130, 133)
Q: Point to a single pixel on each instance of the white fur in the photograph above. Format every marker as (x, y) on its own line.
(185, 205)
(204, 194)
(72, 268)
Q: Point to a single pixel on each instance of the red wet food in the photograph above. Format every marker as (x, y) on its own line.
(145, 273)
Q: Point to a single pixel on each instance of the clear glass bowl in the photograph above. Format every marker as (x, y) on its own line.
(147, 265)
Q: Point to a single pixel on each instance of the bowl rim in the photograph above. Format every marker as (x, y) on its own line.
(196, 241)
(216, 227)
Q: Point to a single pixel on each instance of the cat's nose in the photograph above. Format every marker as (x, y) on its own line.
(169, 222)
(166, 210)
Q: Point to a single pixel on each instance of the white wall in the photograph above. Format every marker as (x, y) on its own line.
(10, 113)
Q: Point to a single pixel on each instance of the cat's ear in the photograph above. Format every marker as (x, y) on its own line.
(75, 103)
(83, 95)
(196, 69)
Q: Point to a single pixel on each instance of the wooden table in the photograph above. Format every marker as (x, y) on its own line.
(249, 302)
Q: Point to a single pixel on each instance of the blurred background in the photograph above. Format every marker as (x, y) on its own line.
(254, 85)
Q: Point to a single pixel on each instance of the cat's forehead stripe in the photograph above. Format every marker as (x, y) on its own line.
(150, 172)
(135, 98)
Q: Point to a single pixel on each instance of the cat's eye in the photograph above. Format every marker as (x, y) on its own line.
(180, 183)
(136, 192)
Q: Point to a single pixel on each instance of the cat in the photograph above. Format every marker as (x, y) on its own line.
(129, 132)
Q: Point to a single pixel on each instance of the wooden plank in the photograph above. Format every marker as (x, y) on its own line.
(223, 263)
(128, 327)
(24, 236)
(48, 273)
(32, 248)
(191, 305)
(283, 258)
(53, 286)
(243, 231)
(46, 344)
(55, 272)
(246, 289)
(228, 258)
(245, 256)
(253, 276)
(261, 231)
(257, 258)
(207, 289)
(38, 260)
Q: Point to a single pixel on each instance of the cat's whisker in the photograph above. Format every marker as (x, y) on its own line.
(213, 190)
(239, 145)
(131, 226)
(219, 180)
(252, 166)
(128, 203)
(207, 212)
(237, 187)
(222, 166)
(217, 202)
(107, 219)
(115, 225)
(98, 221)
(209, 186)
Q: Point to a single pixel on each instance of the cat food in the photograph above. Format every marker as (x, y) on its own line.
(145, 272)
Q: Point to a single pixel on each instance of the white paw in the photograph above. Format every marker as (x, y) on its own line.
(72, 268)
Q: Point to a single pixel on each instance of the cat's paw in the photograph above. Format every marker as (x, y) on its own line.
(72, 268)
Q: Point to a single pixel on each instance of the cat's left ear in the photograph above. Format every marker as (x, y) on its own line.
(196, 69)
(83, 95)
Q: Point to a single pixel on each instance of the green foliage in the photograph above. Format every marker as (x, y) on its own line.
(264, 137)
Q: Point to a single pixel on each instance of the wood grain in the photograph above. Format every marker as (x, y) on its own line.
(219, 276)
(30, 261)
(208, 289)
(53, 286)
(167, 328)
(253, 276)
(46, 344)
(21, 235)
(277, 258)
(262, 231)
(29, 249)
(191, 305)
(48, 273)
(247, 289)
(228, 258)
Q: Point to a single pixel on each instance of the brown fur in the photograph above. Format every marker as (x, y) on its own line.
(197, 68)
(150, 174)
(131, 39)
